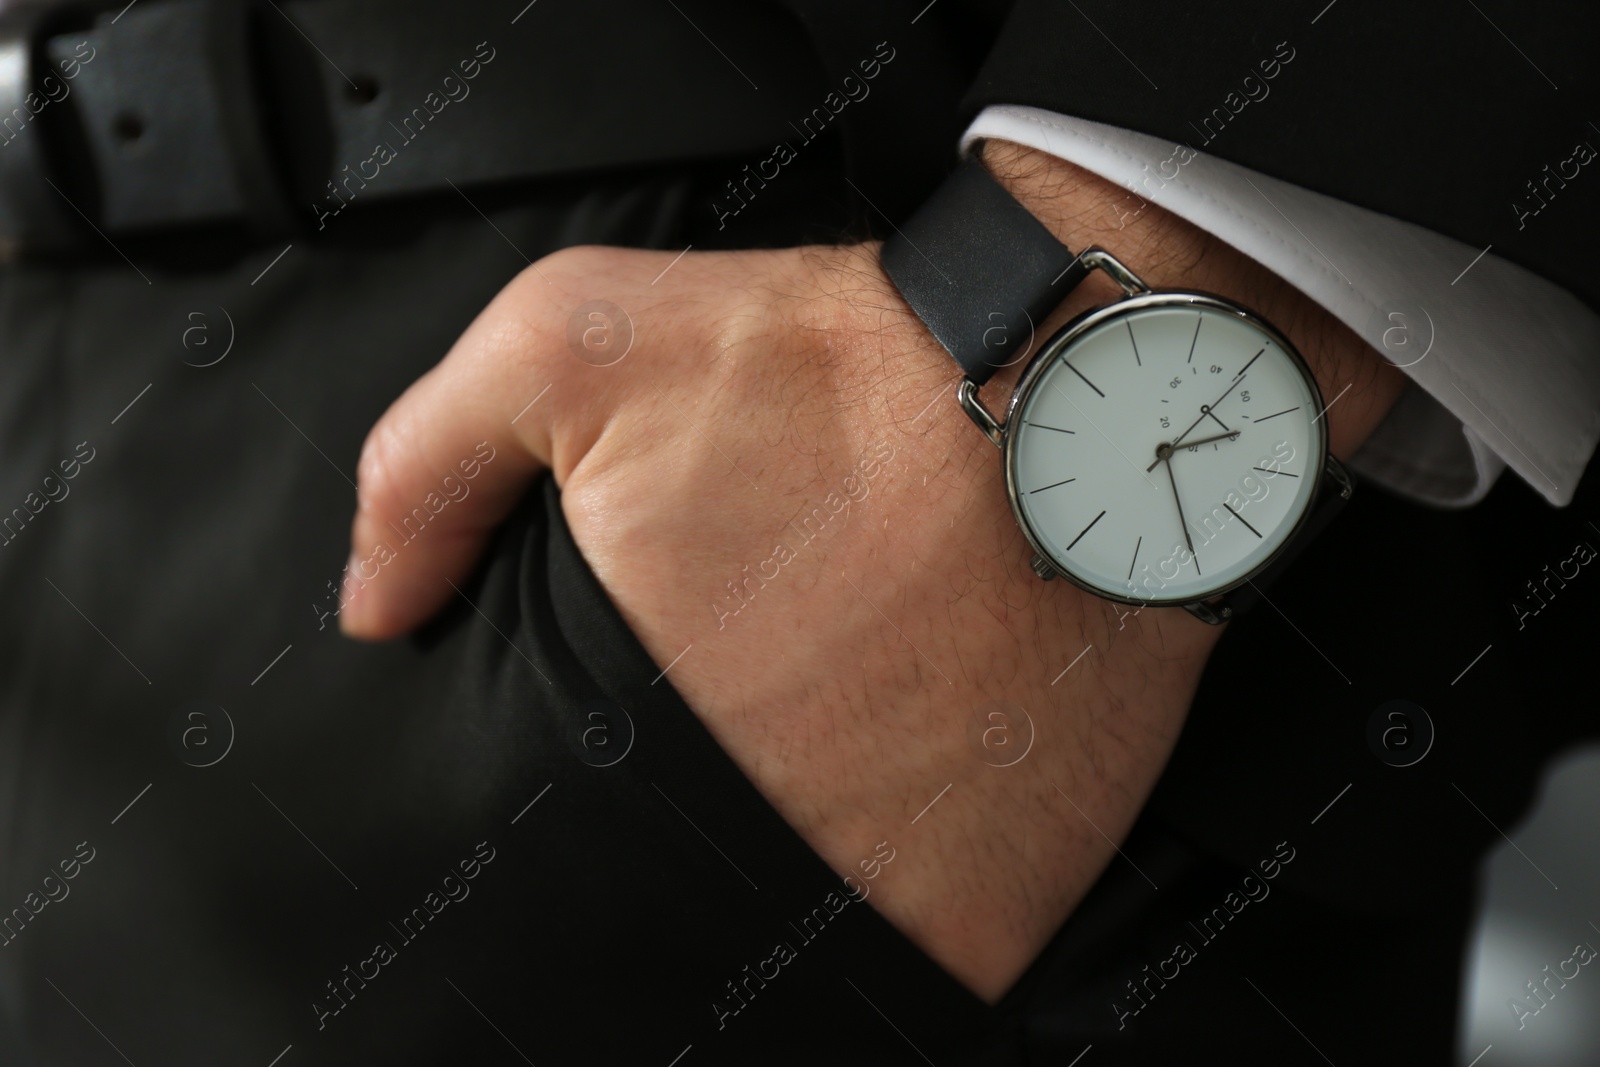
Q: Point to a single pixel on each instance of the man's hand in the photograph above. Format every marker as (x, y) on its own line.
(778, 491)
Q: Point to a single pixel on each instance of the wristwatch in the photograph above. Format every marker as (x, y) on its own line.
(1166, 449)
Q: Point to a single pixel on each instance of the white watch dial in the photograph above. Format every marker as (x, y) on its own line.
(1097, 482)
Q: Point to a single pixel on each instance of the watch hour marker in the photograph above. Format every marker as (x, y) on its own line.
(1052, 485)
(1057, 429)
(1198, 319)
(1086, 529)
(1079, 373)
(1242, 519)
(1264, 470)
(1275, 414)
(1135, 559)
(1247, 365)
(1137, 361)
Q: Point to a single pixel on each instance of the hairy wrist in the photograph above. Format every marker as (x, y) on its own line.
(1099, 690)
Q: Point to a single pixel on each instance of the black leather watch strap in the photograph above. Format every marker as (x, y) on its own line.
(979, 270)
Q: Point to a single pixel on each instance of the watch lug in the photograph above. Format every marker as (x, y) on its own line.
(1340, 477)
(1043, 569)
(993, 429)
(1216, 611)
(1131, 283)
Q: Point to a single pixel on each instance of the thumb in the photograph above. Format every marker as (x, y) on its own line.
(438, 472)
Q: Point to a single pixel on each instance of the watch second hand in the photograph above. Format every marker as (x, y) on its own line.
(1205, 409)
(1219, 422)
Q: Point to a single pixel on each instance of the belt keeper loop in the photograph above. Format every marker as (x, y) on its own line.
(33, 216)
(170, 119)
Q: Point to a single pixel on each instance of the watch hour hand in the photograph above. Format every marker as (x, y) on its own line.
(1207, 440)
(1205, 409)
(1163, 451)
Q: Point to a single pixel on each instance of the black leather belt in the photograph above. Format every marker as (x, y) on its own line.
(276, 115)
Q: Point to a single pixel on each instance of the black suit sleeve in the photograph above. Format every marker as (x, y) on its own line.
(1428, 111)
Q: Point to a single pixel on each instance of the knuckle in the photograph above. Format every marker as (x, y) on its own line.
(574, 261)
(388, 453)
(528, 327)
(511, 346)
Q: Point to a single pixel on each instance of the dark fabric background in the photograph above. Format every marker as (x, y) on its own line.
(208, 524)
(1429, 111)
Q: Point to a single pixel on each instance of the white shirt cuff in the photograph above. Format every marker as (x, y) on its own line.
(1504, 362)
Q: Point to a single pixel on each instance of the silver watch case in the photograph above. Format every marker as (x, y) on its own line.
(1213, 606)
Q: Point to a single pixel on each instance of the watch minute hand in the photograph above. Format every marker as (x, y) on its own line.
(1181, 520)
